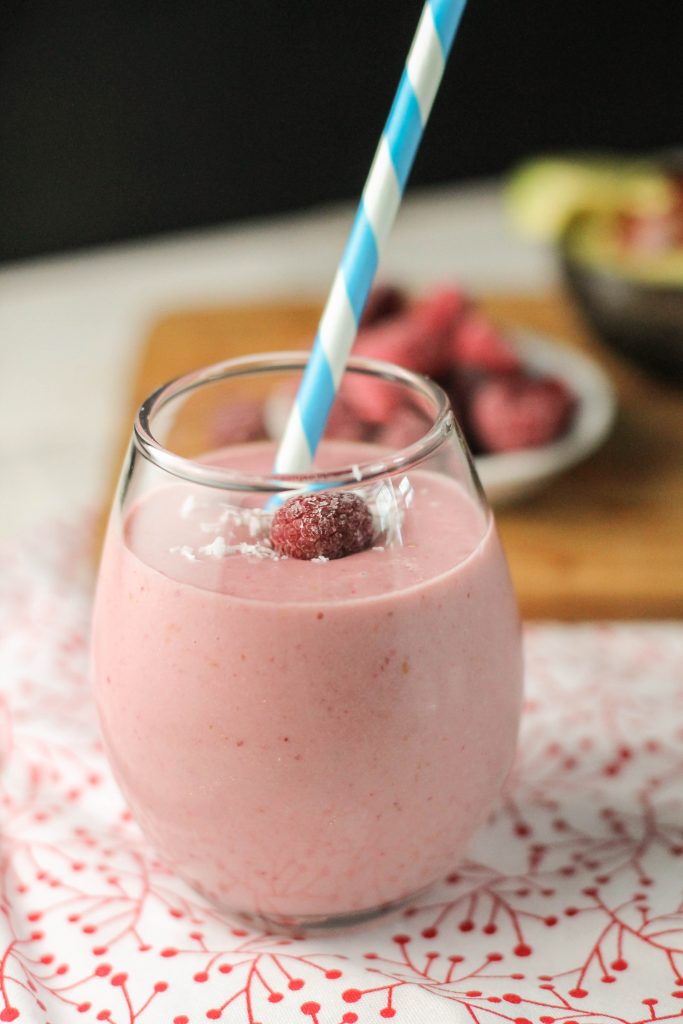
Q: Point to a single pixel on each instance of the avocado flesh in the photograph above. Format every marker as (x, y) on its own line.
(593, 241)
(543, 196)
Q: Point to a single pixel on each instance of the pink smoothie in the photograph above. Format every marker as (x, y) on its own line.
(307, 738)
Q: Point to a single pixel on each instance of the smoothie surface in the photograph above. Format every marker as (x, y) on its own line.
(213, 540)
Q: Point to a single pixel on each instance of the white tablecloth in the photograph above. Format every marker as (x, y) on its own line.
(569, 906)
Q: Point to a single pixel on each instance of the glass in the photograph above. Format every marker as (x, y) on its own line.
(309, 742)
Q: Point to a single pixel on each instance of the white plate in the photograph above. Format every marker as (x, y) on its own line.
(510, 476)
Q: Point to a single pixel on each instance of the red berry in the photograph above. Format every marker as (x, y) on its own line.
(513, 412)
(384, 300)
(343, 423)
(238, 422)
(372, 401)
(417, 340)
(478, 345)
(438, 313)
(404, 428)
(325, 525)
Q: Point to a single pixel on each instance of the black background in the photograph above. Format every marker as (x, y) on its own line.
(122, 118)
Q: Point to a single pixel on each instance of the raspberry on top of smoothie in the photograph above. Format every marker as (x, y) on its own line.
(323, 526)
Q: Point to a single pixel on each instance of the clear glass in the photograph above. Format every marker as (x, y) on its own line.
(309, 742)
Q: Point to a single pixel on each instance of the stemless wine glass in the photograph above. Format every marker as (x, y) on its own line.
(305, 741)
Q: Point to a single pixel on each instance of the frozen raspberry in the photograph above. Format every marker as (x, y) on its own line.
(404, 428)
(343, 424)
(373, 401)
(238, 422)
(384, 300)
(418, 340)
(438, 312)
(326, 525)
(477, 344)
(512, 412)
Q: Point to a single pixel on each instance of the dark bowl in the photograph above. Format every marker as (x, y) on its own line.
(640, 320)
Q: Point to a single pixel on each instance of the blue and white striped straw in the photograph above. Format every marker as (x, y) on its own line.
(376, 214)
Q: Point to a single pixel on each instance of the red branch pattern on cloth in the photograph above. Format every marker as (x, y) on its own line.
(569, 908)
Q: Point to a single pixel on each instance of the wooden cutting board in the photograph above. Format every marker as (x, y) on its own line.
(603, 541)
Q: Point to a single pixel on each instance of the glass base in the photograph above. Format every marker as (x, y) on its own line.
(298, 924)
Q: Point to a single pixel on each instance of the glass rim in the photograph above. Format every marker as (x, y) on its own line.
(195, 471)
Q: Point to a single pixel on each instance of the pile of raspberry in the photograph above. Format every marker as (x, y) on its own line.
(500, 405)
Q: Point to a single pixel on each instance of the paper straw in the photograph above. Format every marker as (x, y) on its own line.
(375, 216)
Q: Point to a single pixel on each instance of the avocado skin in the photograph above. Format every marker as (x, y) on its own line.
(642, 321)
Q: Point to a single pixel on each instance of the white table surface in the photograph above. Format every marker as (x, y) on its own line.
(70, 326)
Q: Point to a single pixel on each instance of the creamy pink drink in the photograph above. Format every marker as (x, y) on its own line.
(307, 740)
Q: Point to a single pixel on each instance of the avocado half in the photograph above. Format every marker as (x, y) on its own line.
(543, 196)
(630, 299)
(642, 318)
